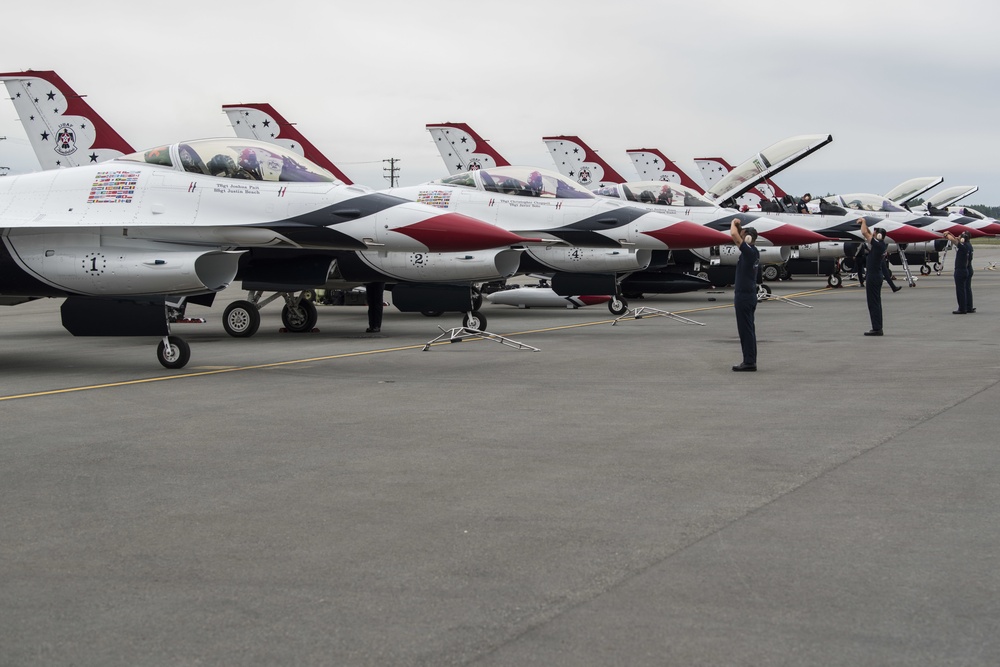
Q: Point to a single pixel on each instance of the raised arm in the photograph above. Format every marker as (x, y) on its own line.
(864, 229)
(736, 231)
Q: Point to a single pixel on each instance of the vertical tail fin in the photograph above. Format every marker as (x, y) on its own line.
(652, 165)
(261, 121)
(578, 161)
(63, 129)
(462, 149)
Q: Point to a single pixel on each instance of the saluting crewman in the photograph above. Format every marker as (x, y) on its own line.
(873, 281)
(745, 292)
(963, 271)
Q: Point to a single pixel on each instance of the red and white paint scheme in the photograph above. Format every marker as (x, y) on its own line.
(652, 165)
(670, 193)
(63, 129)
(172, 222)
(262, 122)
(462, 149)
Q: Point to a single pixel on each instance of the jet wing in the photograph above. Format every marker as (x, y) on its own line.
(913, 188)
(767, 163)
(949, 196)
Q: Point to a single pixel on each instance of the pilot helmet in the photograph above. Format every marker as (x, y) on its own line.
(248, 159)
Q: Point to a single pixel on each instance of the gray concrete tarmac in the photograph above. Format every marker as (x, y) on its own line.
(619, 497)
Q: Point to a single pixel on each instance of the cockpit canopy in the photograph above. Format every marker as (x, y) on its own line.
(766, 164)
(865, 202)
(241, 159)
(913, 188)
(950, 195)
(656, 192)
(520, 181)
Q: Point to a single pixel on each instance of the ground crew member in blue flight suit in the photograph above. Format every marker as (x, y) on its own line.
(873, 281)
(963, 271)
(745, 292)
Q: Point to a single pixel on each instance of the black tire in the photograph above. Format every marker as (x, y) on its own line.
(618, 306)
(834, 280)
(174, 354)
(925, 270)
(241, 319)
(474, 320)
(431, 313)
(770, 272)
(766, 289)
(477, 299)
(938, 266)
(300, 318)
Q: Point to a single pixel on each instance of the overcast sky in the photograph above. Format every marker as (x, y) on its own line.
(906, 87)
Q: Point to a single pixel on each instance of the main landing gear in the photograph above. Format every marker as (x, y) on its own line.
(241, 319)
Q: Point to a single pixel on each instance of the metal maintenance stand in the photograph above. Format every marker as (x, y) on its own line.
(906, 269)
(764, 294)
(646, 311)
(458, 334)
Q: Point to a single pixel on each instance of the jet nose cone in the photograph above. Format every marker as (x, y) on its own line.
(454, 232)
(685, 235)
(788, 234)
(957, 229)
(910, 234)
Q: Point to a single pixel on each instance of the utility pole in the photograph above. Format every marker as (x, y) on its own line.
(392, 171)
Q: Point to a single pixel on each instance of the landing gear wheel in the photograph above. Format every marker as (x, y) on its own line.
(174, 352)
(702, 274)
(925, 270)
(301, 317)
(938, 266)
(431, 313)
(477, 299)
(834, 280)
(763, 289)
(241, 319)
(474, 320)
(770, 272)
(618, 305)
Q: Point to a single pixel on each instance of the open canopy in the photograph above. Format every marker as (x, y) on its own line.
(766, 164)
(863, 201)
(949, 196)
(913, 188)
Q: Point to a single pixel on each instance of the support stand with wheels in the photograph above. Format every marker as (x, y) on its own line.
(646, 311)
(764, 294)
(458, 334)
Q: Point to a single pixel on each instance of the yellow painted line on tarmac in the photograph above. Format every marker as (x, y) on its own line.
(216, 371)
(345, 355)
